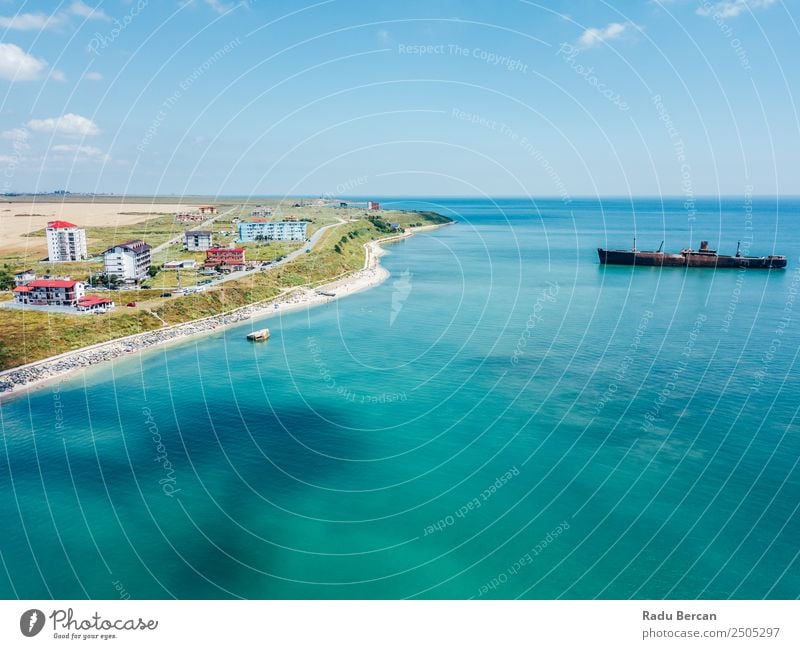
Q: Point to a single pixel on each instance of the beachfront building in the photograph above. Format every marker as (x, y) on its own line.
(94, 304)
(227, 258)
(49, 292)
(129, 261)
(273, 231)
(197, 240)
(65, 242)
(208, 209)
(24, 276)
(373, 205)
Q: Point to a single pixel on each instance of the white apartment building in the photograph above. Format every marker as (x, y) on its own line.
(129, 261)
(196, 240)
(65, 242)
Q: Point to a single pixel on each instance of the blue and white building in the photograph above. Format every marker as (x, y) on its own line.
(273, 230)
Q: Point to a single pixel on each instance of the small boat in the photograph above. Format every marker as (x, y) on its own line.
(326, 293)
(261, 334)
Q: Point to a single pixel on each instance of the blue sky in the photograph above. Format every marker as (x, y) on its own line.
(574, 98)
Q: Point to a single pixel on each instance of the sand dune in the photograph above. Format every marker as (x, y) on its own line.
(18, 219)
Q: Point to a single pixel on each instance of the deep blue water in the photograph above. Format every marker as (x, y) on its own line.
(502, 418)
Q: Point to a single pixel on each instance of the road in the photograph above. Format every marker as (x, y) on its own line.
(309, 245)
(179, 238)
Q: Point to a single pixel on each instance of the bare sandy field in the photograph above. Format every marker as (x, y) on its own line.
(17, 219)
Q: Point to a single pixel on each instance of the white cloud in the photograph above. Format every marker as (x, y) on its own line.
(79, 153)
(218, 6)
(69, 124)
(18, 65)
(597, 35)
(77, 148)
(732, 8)
(18, 138)
(58, 75)
(31, 21)
(93, 76)
(15, 134)
(38, 21)
(79, 8)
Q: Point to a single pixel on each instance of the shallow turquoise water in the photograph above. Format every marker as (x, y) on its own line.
(502, 418)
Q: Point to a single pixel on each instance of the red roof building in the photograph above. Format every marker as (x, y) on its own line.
(49, 292)
(55, 225)
(52, 283)
(231, 257)
(95, 303)
(65, 242)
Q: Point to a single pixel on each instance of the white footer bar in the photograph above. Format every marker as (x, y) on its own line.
(389, 624)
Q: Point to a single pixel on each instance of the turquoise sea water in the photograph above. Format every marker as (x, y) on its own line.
(502, 418)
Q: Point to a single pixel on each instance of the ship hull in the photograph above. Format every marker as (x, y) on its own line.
(687, 260)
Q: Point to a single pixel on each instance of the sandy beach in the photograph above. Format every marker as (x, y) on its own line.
(26, 377)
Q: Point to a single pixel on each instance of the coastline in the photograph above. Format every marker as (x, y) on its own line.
(22, 379)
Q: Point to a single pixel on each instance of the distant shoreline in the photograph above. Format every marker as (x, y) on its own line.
(25, 378)
(52, 197)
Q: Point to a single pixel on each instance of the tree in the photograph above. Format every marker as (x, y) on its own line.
(109, 281)
(6, 279)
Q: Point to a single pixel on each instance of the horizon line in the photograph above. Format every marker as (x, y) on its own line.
(366, 197)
